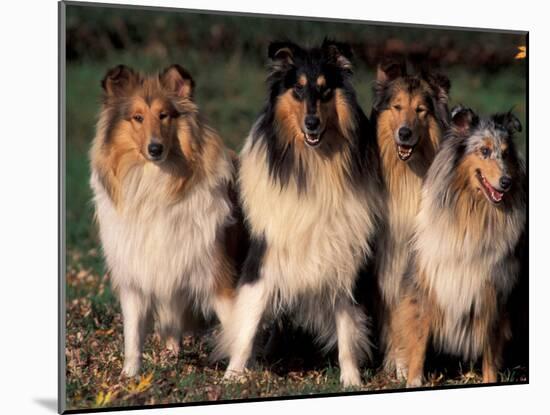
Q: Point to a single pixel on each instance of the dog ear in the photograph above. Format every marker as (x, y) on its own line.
(509, 121)
(282, 53)
(119, 81)
(389, 70)
(463, 119)
(178, 80)
(440, 84)
(338, 54)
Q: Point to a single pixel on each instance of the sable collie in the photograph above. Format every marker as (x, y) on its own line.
(310, 190)
(410, 113)
(161, 180)
(471, 218)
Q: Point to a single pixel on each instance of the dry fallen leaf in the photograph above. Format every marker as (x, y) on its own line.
(522, 54)
(103, 399)
(142, 386)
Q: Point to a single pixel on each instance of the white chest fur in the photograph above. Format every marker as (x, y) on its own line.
(157, 245)
(458, 262)
(315, 240)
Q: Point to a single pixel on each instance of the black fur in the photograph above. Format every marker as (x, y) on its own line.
(253, 263)
(332, 60)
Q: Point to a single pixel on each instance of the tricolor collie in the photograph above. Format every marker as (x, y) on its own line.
(411, 115)
(310, 192)
(161, 178)
(471, 218)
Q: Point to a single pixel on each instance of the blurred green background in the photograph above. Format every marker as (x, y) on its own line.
(227, 57)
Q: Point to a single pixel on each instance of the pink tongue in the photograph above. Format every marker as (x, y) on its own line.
(495, 194)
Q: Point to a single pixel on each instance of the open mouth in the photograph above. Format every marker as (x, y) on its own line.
(492, 194)
(312, 140)
(404, 152)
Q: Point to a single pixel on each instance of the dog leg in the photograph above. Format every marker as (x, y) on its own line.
(418, 333)
(401, 369)
(352, 338)
(398, 353)
(492, 352)
(238, 333)
(395, 361)
(135, 310)
(223, 307)
(489, 368)
(170, 312)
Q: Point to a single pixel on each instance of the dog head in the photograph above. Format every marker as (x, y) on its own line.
(490, 164)
(408, 104)
(306, 90)
(145, 108)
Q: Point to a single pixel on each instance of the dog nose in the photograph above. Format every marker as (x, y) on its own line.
(312, 122)
(405, 133)
(505, 182)
(155, 149)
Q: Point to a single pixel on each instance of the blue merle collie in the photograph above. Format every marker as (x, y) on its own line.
(468, 231)
(310, 187)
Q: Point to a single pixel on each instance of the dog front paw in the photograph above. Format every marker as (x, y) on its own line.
(414, 383)
(173, 346)
(350, 378)
(131, 368)
(401, 371)
(234, 375)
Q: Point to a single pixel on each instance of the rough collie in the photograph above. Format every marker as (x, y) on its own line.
(310, 192)
(471, 218)
(410, 114)
(161, 180)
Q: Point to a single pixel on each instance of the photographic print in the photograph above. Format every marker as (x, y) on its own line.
(262, 207)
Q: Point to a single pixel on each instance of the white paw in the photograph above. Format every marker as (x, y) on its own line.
(400, 371)
(350, 378)
(131, 368)
(414, 383)
(233, 375)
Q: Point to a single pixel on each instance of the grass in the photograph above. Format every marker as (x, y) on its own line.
(230, 94)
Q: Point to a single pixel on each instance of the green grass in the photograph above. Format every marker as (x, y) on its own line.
(230, 93)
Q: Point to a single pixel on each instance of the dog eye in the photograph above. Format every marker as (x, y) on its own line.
(398, 107)
(420, 110)
(163, 115)
(485, 151)
(138, 118)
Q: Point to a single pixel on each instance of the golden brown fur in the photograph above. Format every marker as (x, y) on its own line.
(169, 227)
(410, 103)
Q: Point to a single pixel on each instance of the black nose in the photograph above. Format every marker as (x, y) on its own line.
(405, 133)
(312, 122)
(155, 149)
(505, 182)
